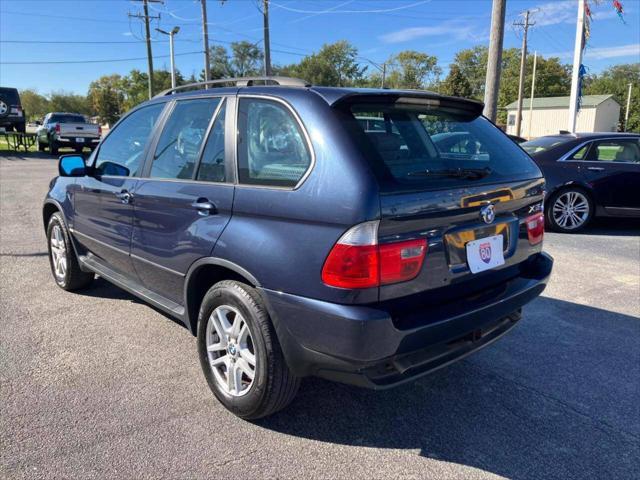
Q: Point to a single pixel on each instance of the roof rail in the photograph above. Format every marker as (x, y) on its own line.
(241, 82)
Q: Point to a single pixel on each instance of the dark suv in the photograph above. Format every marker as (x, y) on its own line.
(293, 241)
(11, 114)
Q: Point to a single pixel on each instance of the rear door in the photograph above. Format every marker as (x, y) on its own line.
(612, 168)
(103, 218)
(185, 201)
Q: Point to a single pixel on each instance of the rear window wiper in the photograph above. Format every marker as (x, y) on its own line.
(469, 173)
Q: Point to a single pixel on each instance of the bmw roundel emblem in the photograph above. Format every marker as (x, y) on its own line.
(488, 213)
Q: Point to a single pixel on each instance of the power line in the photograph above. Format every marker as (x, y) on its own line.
(331, 11)
(82, 19)
(60, 62)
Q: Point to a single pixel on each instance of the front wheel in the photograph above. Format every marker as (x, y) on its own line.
(569, 210)
(62, 257)
(40, 145)
(240, 354)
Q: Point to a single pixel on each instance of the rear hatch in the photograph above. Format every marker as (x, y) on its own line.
(10, 103)
(450, 177)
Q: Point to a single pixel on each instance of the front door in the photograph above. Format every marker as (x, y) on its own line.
(103, 219)
(185, 202)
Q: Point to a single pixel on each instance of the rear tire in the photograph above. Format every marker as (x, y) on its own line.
(40, 145)
(62, 257)
(569, 210)
(272, 386)
(53, 146)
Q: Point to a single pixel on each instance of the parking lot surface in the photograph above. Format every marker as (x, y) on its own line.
(98, 384)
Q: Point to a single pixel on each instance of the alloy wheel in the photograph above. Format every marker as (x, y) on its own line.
(58, 252)
(570, 210)
(231, 350)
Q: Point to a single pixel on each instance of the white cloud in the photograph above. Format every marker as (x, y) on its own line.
(457, 29)
(631, 50)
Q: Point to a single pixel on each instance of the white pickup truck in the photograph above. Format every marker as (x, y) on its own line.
(59, 130)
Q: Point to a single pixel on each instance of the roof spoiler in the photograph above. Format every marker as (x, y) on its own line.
(413, 98)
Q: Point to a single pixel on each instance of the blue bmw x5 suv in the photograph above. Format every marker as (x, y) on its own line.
(299, 230)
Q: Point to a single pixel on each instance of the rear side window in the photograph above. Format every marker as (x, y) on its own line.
(212, 165)
(431, 147)
(271, 146)
(627, 151)
(66, 118)
(179, 145)
(121, 152)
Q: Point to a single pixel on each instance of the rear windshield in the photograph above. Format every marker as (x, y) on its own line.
(9, 96)
(415, 146)
(67, 118)
(543, 144)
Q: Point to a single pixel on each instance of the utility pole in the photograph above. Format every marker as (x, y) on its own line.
(267, 43)
(146, 17)
(575, 73)
(384, 74)
(494, 64)
(173, 31)
(523, 63)
(533, 89)
(626, 112)
(205, 41)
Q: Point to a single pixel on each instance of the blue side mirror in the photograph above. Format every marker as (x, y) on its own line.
(72, 166)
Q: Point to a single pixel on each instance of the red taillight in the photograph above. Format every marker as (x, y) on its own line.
(357, 261)
(401, 261)
(57, 128)
(535, 228)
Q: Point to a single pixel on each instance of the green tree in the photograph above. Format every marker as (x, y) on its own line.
(106, 96)
(615, 80)
(411, 69)
(135, 86)
(456, 84)
(246, 59)
(472, 63)
(61, 101)
(35, 106)
(334, 65)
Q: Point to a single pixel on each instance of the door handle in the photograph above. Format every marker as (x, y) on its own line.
(595, 169)
(204, 207)
(125, 197)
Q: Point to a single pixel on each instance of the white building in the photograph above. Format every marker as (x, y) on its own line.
(599, 113)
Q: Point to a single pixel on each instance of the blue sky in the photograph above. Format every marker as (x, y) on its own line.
(379, 28)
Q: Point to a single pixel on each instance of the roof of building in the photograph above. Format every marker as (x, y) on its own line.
(560, 102)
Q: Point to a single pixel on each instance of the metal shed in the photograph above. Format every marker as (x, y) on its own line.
(599, 113)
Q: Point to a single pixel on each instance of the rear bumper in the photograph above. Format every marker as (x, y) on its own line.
(73, 141)
(364, 346)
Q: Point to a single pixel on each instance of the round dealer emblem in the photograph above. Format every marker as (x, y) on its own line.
(488, 213)
(3, 108)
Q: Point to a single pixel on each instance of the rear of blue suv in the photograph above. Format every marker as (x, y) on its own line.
(293, 238)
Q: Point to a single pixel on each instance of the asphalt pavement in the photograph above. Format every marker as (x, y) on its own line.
(98, 384)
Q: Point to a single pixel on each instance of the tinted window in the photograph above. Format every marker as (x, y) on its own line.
(543, 144)
(271, 146)
(9, 96)
(579, 155)
(66, 118)
(212, 165)
(615, 151)
(430, 147)
(126, 143)
(179, 145)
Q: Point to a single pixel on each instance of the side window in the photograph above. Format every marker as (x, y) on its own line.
(121, 152)
(177, 151)
(579, 155)
(212, 166)
(615, 151)
(271, 146)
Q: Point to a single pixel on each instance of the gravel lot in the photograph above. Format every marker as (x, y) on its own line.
(100, 385)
